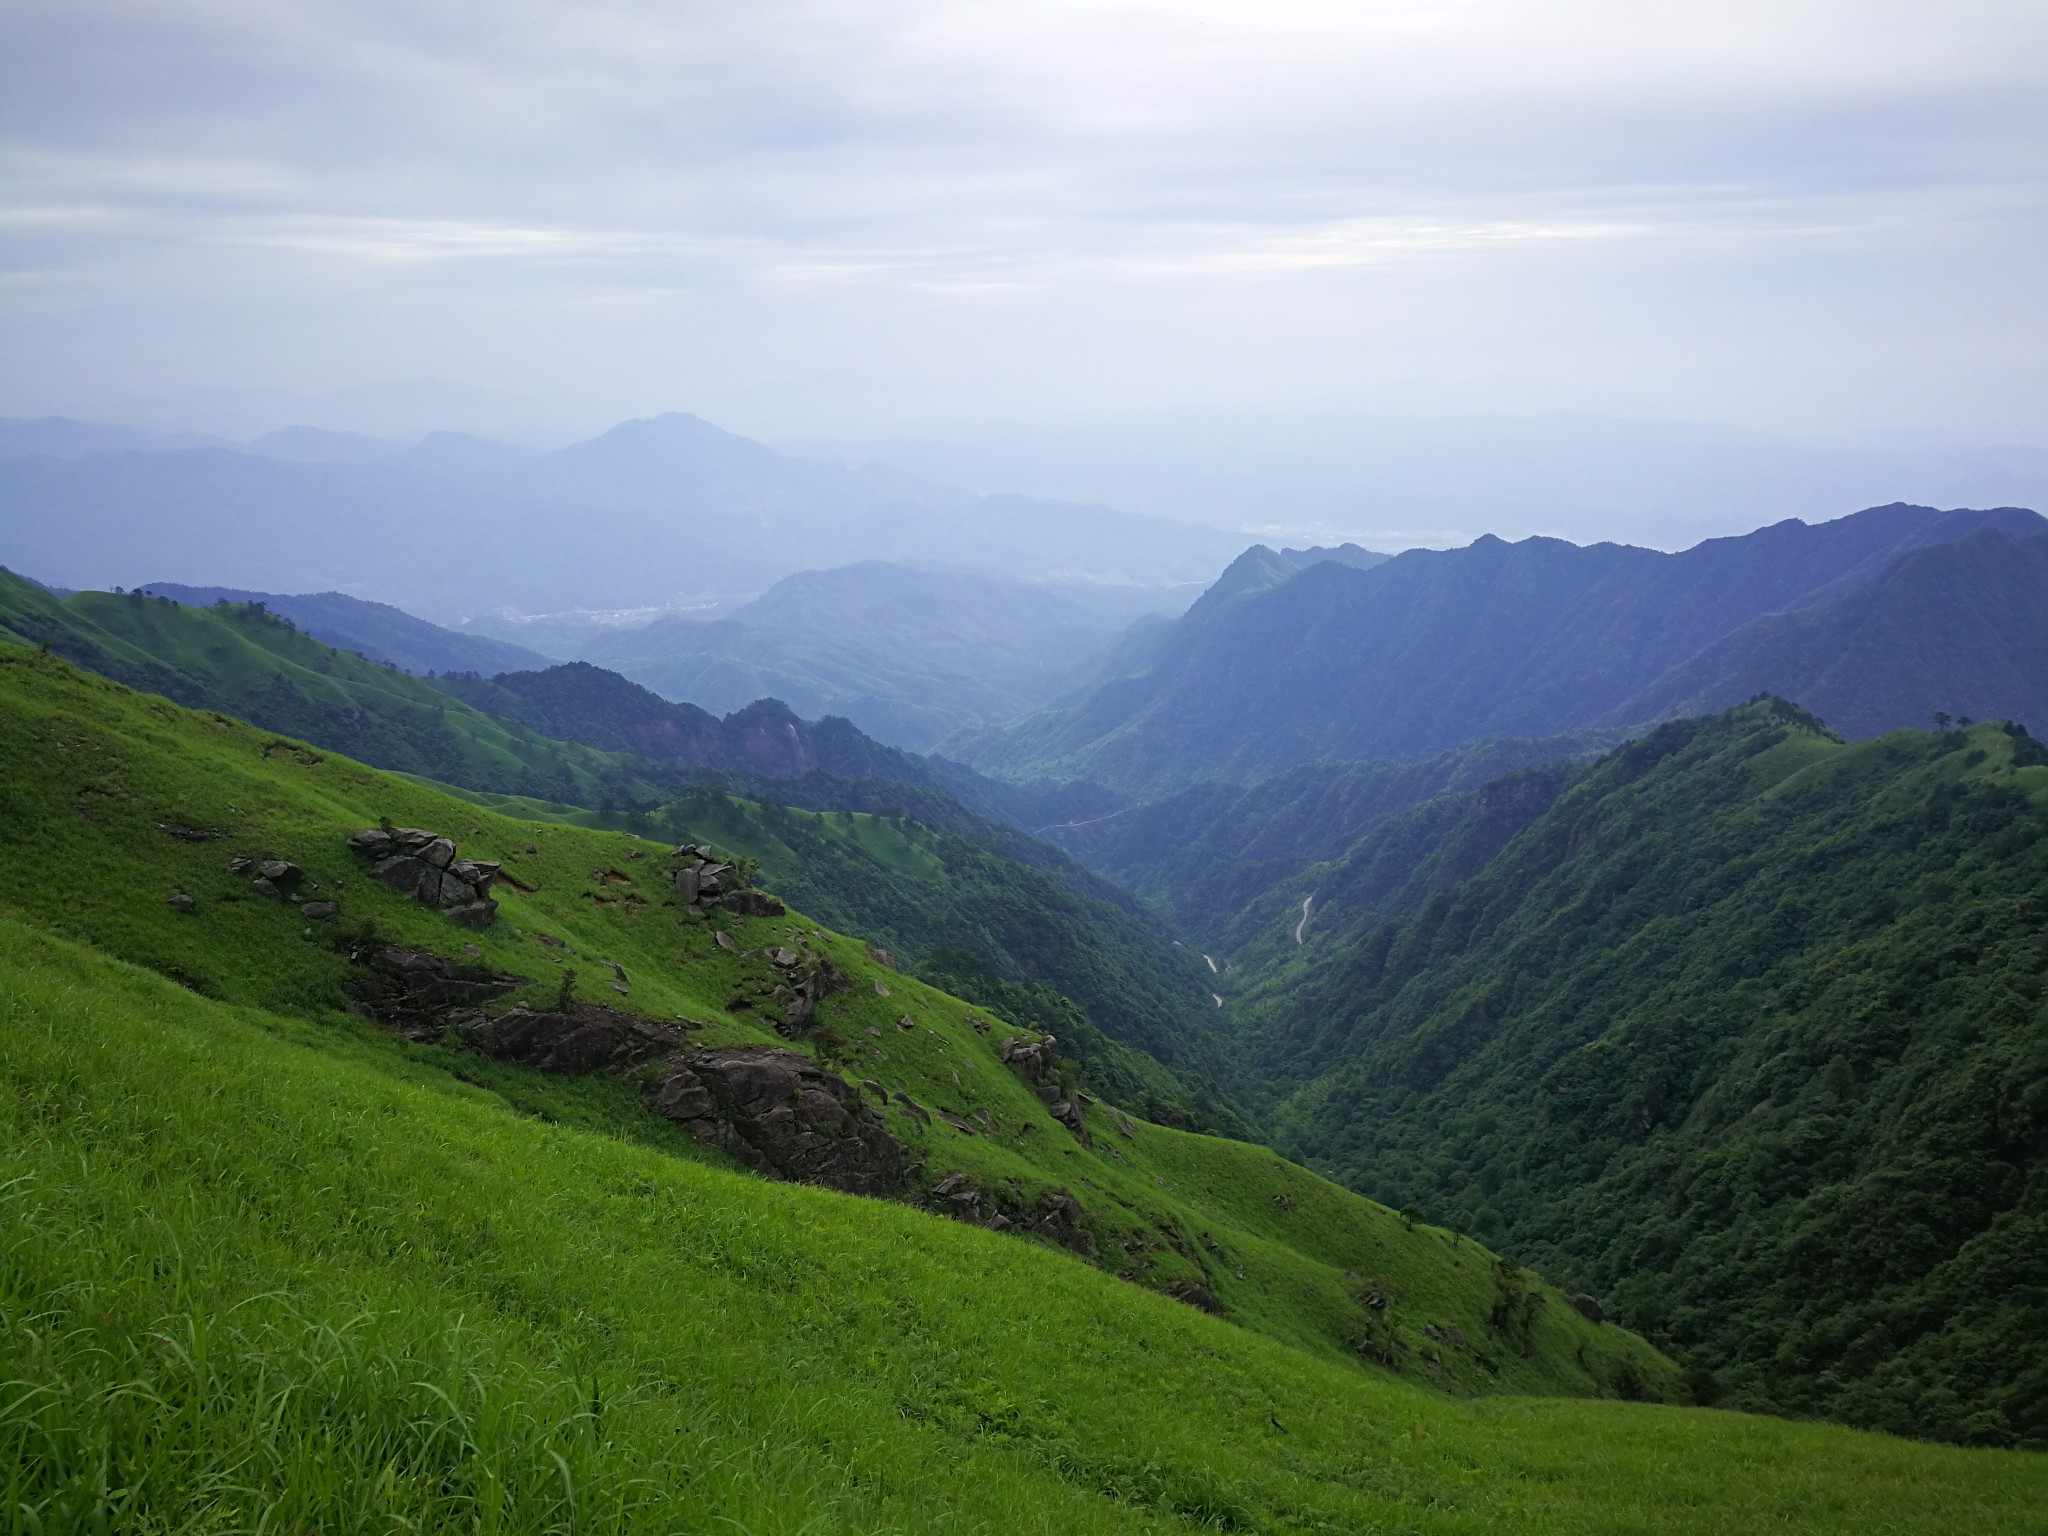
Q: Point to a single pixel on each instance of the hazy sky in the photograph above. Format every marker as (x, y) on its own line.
(1806, 216)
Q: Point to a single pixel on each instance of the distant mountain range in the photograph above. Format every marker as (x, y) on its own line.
(909, 655)
(651, 513)
(1877, 620)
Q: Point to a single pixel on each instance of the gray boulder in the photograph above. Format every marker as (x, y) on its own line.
(775, 1111)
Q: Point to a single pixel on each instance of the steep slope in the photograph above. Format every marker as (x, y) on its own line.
(1437, 648)
(1960, 626)
(1740, 1027)
(113, 802)
(259, 665)
(276, 1277)
(908, 655)
(375, 631)
(577, 735)
(1207, 855)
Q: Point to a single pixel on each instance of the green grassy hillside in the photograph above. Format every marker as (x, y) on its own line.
(1742, 1027)
(1022, 912)
(93, 774)
(242, 660)
(1015, 937)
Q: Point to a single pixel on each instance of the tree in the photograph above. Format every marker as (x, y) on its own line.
(1942, 721)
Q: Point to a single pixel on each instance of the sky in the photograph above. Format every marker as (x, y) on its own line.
(1817, 218)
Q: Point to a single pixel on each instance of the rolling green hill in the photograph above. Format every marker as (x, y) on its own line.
(270, 1265)
(1741, 1027)
(1018, 912)
(242, 660)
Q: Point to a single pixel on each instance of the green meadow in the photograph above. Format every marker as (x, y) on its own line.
(268, 1267)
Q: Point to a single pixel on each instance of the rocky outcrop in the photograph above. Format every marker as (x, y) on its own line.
(1034, 1061)
(1587, 1307)
(1031, 1060)
(803, 980)
(423, 865)
(774, 1110)
(584, 1038)
(704, 882)
(1056, 1217)
(423, 995)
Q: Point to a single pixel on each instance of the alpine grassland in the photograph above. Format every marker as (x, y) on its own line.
(269, 1266)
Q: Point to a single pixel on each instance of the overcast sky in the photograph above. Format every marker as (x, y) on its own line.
(1811, 217)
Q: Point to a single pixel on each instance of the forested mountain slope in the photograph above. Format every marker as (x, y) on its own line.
(1435, 649)
(377, 631)
(1742, 1027)
(1961, 626)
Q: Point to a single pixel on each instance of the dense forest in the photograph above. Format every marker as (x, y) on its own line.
(1741, 1027)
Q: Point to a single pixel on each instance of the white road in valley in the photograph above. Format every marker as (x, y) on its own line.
(1212, 961)
(1308, 908)
(1219, 1001)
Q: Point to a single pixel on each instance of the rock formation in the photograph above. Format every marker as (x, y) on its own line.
(423, 865)
(775, 1110)
(703, 883)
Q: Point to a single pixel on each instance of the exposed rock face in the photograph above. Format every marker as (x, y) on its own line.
(703, 883)
(423, 865)
(1030, 1059)
(773, 1109)
(584, 1039)
(1056, 1218)
(421, 995)
(806, 980)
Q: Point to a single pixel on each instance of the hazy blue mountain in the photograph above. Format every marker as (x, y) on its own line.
(909, 655)
(1960, 626)
(659, 513)
(1434, 649)
(375, 630)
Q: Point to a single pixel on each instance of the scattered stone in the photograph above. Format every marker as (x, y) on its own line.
(531, 849)
(1283, 1202)
(874, 1031)
(471, 949)
(266, 889)
(1454, 1334)
(906, 1022)
(875, 1088)
(957, 1122)
(237, 864)
(182, 902)
(474, 914)
(881, 956)
(725, 940)
(318, 911)
(280, 872)
(917, 1110)
(551, 941)
(784, 958)
(186, 834)
(881, 990)
(1587, 1307)
(586, 1038)
(423, 865)
(774, 1110)
(1194, 1294)
(1126, 1127)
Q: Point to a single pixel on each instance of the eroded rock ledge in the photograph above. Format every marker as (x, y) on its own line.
(771, 1108)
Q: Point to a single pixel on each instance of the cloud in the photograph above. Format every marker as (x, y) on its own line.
(757, 186)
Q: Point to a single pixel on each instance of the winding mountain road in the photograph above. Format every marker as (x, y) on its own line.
(1308, 910)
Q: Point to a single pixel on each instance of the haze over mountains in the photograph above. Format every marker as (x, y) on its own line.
(1435, 649)
(664, 512)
